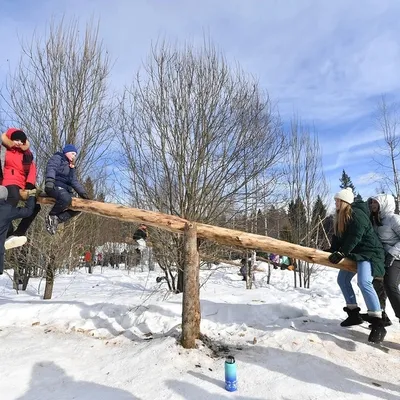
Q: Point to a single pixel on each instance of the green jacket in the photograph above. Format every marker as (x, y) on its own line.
(359, 241)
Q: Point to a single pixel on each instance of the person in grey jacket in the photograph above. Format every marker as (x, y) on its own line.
(387, 225)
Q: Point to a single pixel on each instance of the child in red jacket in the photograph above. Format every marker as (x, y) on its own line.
(18, 171)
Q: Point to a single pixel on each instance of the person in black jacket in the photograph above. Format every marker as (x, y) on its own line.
(8, 213)
(140, 233)
(60, 180)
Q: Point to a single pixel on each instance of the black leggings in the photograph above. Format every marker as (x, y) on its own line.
(389, 288)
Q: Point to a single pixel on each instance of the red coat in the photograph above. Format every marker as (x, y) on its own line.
(88, 256)
(14, 170)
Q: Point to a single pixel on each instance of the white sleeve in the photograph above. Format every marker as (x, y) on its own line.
(395, 224)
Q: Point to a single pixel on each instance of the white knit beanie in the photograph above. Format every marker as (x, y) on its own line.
(346, 195)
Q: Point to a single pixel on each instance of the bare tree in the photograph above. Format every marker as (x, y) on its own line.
(387, 119)
(58, 95)
(306, 181)
(194, 131)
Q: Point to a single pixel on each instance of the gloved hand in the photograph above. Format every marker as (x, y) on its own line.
(389, 260)
(84, 196)
(32, 192)
(336, 257)
(49, 185)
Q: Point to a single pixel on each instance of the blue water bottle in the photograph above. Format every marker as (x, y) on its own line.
(230, 374)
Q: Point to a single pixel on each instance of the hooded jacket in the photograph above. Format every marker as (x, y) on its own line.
(389, 232)
(58, 169)
(359, 242)
(17, 166)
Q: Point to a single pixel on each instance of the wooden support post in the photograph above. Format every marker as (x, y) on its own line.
(191, 292)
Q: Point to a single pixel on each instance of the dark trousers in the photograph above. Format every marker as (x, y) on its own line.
(63, 201)
(389, 288)
(25, 223)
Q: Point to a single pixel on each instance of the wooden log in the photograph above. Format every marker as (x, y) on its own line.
(224, 236)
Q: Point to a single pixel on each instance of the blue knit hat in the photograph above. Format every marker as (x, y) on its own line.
(68, 148)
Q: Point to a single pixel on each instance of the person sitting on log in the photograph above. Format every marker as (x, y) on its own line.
(18, 172)
(60, 183)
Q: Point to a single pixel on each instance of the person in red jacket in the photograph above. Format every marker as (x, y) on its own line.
(18, 171)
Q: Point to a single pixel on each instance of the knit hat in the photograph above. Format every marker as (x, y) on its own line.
(18, 135)
(346, 195)
(70, 148)
(3, 193)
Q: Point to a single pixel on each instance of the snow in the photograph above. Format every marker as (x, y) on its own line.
(113, 335)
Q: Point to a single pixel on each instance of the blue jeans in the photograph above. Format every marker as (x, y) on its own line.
(364, 282)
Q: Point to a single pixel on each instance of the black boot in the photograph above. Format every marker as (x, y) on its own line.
(378, 331)
(385, 319)
(353, 317)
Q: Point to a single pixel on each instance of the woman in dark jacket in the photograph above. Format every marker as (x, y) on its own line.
(60, 180)
(355, 238)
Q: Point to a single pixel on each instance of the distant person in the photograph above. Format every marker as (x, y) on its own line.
(275, 260)
(387, 225)
(60, 182)
(355, 238)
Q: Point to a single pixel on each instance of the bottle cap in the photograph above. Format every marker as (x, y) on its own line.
(230, 360)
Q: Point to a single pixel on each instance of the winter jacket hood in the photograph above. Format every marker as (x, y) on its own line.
(386, 202)
(17, 166)
(389, 228)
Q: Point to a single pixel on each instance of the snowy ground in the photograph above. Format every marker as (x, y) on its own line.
(113, 336)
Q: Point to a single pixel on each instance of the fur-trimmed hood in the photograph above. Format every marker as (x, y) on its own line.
(7, 142)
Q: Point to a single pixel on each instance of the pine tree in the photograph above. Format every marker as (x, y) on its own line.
(345, 182)
(298, 220)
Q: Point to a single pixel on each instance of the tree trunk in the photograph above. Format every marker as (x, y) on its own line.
(191, 296)
(223, 236)
(48, 290)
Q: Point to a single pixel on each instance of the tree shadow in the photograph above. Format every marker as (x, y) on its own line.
(49, 381)
(309, 369)
(103, 316)
(191, 391)
(283, 316)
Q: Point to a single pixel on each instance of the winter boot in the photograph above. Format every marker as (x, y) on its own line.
(385, 318)
(353, 317)
(378, 331)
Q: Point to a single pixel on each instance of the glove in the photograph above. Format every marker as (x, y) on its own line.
(32, 192)
(49, 185)
(29, 186)
(336, 257)
(389, 260)
(84, 196)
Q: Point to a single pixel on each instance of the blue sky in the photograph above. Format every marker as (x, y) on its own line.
(326, 61)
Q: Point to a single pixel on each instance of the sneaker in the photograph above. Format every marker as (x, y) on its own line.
(14, 241)
(52, 222)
